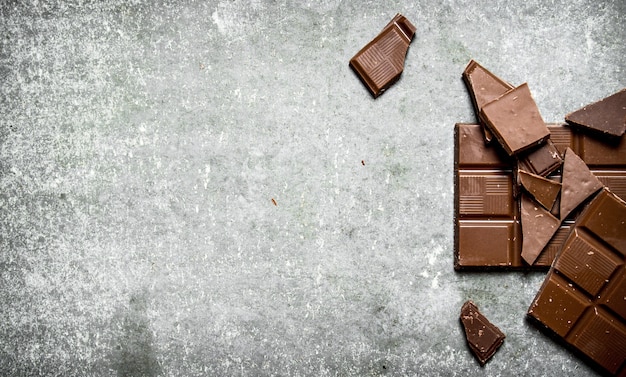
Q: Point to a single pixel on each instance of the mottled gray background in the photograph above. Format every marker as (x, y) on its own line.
(142, 143)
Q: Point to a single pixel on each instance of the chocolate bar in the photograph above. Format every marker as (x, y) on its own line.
(483, 337)
(607, 116)
(380, 63)
(488, 233)
(582, 302)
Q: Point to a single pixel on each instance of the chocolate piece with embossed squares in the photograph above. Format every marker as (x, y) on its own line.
(380, 63)
(582, 302)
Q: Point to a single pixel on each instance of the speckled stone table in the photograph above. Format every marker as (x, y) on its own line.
(143, 145)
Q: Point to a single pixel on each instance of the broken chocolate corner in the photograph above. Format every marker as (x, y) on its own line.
(483, 337)
(380, 63)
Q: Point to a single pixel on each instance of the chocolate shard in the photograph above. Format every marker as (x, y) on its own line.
(607, 115)
(484, 87)
(543, 190)
(380, 63)
(483, 337)
(578, 183)
(581, 303)
(538, 227)
(515, 120)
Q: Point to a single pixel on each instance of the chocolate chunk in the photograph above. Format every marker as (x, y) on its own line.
(488, 234)
(578, 183)
(380, 63)
(541, 160)
(484, 87)
(515, 120)
(544, 191)
(483, 337)
(582, 302)
(607, 115)
(538, 227)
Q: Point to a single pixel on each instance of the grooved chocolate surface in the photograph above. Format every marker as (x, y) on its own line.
(380, 63)
(487, 221)
(583, 299)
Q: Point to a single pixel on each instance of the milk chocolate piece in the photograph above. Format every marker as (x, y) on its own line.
(488, 235)
(486, 212)
(607, 115)
(544, 191)
(538, 227)
(483, 337)
(582, 302)
(541, 160)
(578, 183)
(515, 120)
(380, 63)
(484, 87)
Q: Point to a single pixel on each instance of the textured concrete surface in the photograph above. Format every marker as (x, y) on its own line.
(142, 143)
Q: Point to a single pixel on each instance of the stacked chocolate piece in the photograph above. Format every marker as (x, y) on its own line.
(531, 195)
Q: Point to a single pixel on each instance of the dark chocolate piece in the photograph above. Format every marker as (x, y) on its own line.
(538, 227)
(488, 235)
(484, 87)
(578, 183)
(515, 120)
(607, 115)
(583, 299)
(483, 337)
(543, 190)
(380, 63)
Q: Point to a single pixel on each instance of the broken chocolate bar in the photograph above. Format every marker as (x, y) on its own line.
(515, 121)
(607, 115)
(484, 87)
(488, 234)
(583, 299)
(380, 63)
(483, 337)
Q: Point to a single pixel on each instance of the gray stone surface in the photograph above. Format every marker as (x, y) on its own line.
(142, 143)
